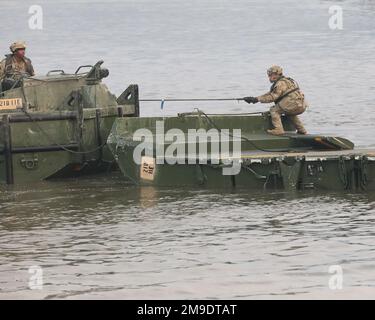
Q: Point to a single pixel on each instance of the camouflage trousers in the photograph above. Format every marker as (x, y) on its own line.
(276, 112)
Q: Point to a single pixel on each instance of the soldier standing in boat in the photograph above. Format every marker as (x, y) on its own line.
(15, 65)
(288, 99)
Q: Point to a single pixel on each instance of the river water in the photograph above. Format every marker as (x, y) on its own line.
(100, 237)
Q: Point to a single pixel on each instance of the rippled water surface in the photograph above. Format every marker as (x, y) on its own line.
(102, 237)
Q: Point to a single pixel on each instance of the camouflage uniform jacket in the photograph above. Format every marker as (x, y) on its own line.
(11, 66)
(286, 94)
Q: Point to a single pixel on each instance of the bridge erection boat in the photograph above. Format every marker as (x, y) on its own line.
(237, 153)
(57, 125)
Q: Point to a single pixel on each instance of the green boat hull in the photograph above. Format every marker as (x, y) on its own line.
(54, 145)
(57, 125)
(291, 161)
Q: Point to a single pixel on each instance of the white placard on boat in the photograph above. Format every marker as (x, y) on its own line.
(147, 168)
(10, 104)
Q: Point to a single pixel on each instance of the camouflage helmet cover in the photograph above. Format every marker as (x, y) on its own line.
(17, 45)
(275, 69)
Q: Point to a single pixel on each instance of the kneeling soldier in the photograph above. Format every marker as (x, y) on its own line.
(288, 99)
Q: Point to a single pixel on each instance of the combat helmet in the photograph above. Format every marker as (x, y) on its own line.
(17, 45)
(275, 69)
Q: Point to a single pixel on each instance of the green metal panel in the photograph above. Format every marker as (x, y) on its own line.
(30, 167)
(2, 169)
(43, 133)
(371, 176)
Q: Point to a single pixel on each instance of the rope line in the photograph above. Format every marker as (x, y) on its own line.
(162, 101)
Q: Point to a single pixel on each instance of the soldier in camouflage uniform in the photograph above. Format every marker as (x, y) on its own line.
(288, 99)
(16, 64)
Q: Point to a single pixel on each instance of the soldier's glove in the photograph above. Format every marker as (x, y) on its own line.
(251, 99)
